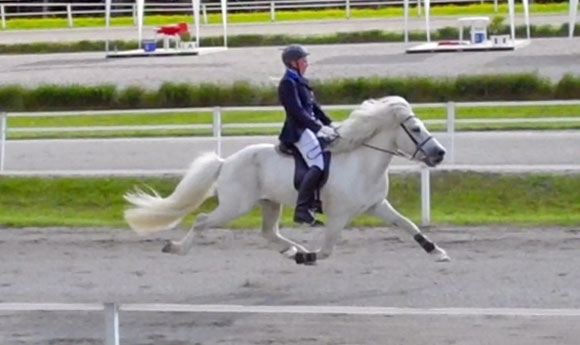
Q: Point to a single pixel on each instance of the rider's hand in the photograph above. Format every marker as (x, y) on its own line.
(326, 132)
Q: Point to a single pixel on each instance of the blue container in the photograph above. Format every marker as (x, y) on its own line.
(479, 37)
(149, 46)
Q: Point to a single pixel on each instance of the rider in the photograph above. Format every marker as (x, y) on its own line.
(305, 123)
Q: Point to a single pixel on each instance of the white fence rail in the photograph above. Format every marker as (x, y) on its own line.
(74, 9)
(217, 126)
(112, 335)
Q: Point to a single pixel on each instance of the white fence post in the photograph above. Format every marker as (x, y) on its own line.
(3, 130)
(3, 16)
(347, 9)
(425, 196)
(451, 131)
(272, 11)
(69, 15)
(217, 129)
(111, 324)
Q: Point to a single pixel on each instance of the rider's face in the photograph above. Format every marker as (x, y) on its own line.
(301, 65)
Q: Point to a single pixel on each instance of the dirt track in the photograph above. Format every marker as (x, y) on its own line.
(491, 267)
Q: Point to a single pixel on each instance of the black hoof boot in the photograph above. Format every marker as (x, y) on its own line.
(305, 258)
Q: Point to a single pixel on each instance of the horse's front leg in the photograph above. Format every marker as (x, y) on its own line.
(385, 211)
(335, 224)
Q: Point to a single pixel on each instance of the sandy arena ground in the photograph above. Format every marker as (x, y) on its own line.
(492, 267)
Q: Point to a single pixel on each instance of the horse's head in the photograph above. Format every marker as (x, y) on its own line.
(413, 140)
(389, 124)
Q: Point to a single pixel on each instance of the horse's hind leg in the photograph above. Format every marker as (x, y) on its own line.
(385, 211)
(227, 210)
(271, 212)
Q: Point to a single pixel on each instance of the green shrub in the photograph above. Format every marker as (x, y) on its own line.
(568, 87)
(509, 87)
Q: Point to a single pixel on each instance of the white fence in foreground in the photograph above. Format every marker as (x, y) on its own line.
(217, 126)
(112, 333)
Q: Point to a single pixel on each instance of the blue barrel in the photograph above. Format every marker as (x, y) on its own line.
(149, 45)
(479, 37)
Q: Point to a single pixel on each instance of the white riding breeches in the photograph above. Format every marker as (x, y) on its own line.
(310, 149)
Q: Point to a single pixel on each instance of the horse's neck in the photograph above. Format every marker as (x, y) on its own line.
(375, 161)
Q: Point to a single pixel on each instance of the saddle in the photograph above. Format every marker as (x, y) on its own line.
(300, 169)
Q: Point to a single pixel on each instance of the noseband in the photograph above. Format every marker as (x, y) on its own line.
(418, 146)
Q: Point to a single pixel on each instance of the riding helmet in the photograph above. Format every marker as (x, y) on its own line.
(293, 52)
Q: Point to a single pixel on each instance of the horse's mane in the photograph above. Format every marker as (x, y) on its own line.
(364, 121)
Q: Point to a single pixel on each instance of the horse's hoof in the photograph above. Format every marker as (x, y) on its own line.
(305, 258)
(289, 252)
(442, 256)
(168, 247)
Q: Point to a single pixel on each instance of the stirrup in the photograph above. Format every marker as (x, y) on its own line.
(317, 206)
(314, 223)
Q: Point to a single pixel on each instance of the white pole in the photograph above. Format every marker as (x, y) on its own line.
(272, 11)
(69, 15)
(527, 17)
(406, 16)
(425, 197)
(217, 129)
(427, 26)
(347, 9)
(111, 324)
(511, 11)
(225, 21)
(140, 19)
(573, 12)
(451, 131)
(3, 130)
(107, 21)
(204, 13)
(3, 16)
(195, 8)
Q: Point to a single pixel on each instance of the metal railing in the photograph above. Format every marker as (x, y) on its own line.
(75, 9)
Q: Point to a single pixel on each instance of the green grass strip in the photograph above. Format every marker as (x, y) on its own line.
(457, 198)
(527, 112)
(286, 15)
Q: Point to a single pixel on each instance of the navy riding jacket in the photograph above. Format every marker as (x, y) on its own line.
(301, 108)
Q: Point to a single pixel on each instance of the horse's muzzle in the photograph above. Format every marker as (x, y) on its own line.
(435, 157)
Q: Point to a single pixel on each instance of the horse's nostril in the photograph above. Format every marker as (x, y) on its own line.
(441, 153)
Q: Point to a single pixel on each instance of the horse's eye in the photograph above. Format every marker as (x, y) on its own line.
(416, 129)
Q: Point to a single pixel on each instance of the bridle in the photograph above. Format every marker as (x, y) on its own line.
(418, 146)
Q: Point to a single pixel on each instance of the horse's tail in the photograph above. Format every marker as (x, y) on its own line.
(152, 213)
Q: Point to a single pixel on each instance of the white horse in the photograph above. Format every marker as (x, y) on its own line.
(259, 174)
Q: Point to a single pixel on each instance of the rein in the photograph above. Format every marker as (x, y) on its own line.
(419, 146)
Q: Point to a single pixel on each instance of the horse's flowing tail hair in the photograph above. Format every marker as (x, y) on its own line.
(151, 213)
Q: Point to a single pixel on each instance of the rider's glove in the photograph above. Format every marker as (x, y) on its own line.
(326, 132)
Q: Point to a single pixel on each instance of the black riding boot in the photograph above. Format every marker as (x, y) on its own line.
(302, 213)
